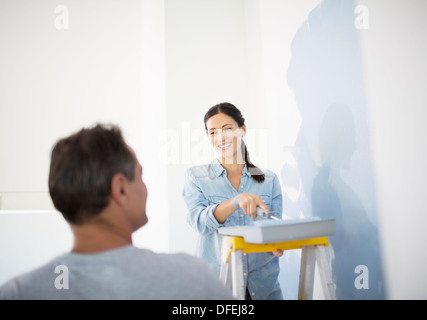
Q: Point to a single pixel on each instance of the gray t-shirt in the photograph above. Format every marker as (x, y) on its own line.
(123, 273)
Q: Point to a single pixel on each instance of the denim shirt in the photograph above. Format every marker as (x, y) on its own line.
(206, 187)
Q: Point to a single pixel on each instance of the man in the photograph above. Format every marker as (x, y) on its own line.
(95, 181)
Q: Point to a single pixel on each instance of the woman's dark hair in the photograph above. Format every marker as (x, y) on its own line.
(232, 111)
(82, 166)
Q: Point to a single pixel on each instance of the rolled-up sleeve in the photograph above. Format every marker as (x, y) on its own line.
(200, 213)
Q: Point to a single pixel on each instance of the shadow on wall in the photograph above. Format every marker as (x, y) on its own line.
(333, 176)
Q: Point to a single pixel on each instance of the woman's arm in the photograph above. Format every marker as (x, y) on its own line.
(246, 201)
(200, 212)
(225, 209)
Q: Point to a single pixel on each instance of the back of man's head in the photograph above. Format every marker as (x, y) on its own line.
(82, 166)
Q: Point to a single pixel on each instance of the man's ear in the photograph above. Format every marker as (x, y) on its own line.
(118, 188)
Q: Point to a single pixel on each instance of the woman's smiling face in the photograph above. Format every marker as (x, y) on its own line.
(225, 135)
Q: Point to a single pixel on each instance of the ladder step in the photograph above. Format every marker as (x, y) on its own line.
(312, 249)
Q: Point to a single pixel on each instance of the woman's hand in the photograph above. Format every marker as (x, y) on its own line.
(278, 253)
(248, 203)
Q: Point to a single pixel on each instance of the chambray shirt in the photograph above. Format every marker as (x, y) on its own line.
(206, 187)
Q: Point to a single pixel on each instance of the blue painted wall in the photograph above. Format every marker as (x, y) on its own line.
(334, 176)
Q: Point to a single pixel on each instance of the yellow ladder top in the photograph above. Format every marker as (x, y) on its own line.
(233, 243)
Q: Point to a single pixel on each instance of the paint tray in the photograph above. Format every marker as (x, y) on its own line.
(270, 231)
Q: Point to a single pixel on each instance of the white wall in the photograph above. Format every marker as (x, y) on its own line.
(394, 52)
(29, 239)
(56, 81)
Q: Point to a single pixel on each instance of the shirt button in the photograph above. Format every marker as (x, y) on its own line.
(241, 187)
(245, 274)
(244, 254)
(253, 294)
(242, 215)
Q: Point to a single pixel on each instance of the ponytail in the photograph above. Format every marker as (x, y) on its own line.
(256, 173)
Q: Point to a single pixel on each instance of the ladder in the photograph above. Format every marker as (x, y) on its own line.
(312, 249)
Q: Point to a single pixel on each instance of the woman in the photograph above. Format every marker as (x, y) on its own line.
(226, 193)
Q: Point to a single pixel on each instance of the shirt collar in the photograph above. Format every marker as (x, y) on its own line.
(217, 169)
